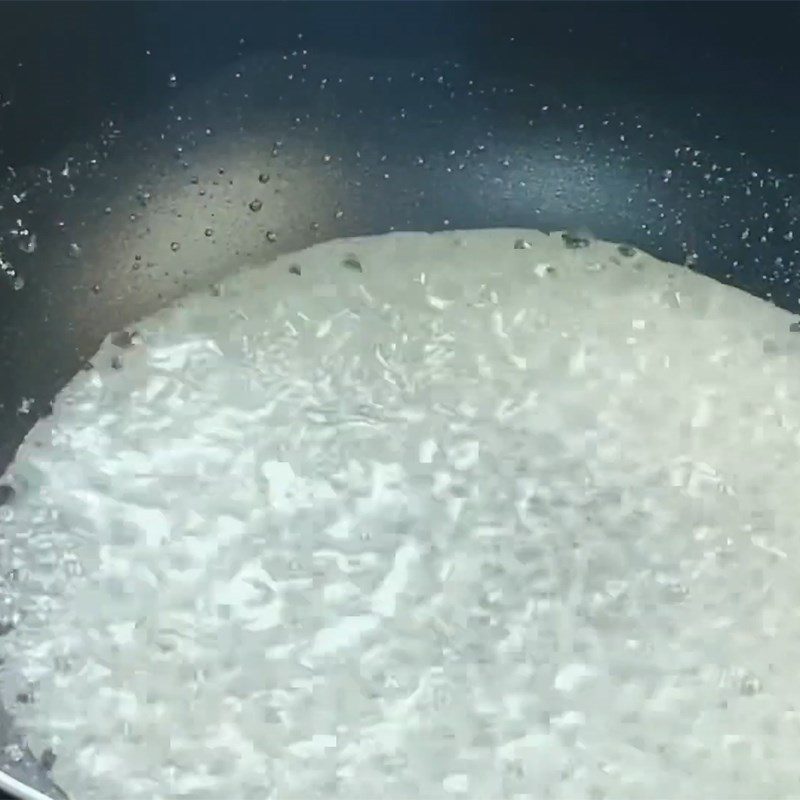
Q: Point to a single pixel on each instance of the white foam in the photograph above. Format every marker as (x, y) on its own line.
(475, 520)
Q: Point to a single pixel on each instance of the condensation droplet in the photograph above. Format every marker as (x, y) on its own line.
(255, 205)
(28, 245)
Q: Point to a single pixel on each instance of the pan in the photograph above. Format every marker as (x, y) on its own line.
(150, 150)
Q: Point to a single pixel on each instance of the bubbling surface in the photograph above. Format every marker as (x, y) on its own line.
(480, 514)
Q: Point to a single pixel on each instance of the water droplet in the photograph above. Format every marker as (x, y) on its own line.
(208, 232)
(271, 237)
(175, 246)
(74, 250)
(172, 81)
(13, 752)
(208, 131)
(351, 262)
(19, 283)
(522, 244)
(255, 205)
(263, 177)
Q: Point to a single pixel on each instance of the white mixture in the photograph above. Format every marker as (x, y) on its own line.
(466, 514)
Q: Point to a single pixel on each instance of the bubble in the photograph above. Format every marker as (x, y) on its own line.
(172, 81)
(47, 759)
(96, 288)
(749, 685)
(175, 246)
(74, 250)
(208, 232)
(351, 262)
(339, 213)
(271, 237)
(294, 269)
(574, 241)
(326, 159)
(522, 244)
(255, 205)
(19, 283)
(7, 494)
(263, 177)
(13, 752)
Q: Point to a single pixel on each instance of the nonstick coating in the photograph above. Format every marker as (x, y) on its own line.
(129, 131)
